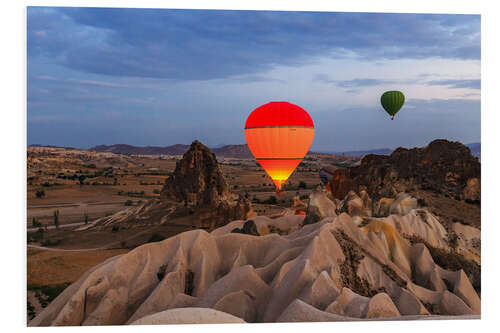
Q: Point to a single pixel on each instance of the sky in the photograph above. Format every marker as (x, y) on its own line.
(159, 77)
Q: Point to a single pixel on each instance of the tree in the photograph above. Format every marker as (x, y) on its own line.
(272, 200)
(81, 178)
(35, 223)
(56, 218)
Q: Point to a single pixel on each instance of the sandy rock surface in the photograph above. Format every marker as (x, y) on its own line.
(284, 270)
(189, 316)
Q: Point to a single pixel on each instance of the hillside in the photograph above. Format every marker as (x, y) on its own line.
(124, 149)
(238, 151)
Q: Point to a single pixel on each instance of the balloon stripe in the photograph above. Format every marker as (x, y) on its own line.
(292, 126)
(279, 142)
(278, 159)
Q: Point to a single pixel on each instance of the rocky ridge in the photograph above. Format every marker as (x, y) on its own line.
(442, 166)
(343, 265)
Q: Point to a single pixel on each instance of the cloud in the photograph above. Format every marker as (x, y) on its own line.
(362, 83)
(457, 84)
(359, 82)
(211, 44)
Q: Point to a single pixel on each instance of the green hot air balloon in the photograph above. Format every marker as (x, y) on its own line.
(392, 101)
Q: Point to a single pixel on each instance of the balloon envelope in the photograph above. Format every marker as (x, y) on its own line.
(279, 135)
(392, 101)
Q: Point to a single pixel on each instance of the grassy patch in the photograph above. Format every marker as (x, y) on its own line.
(46, 294)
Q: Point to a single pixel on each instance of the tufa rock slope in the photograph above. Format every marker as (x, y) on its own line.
(340, 268)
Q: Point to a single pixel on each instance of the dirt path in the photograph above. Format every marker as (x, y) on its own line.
(65, 250)
(60, 226)
(76, 204)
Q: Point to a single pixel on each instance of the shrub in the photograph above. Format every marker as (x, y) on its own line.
(35, 223)
(302, 184)
(40, 193)
(156, 191)
(56, 218)
(128, 203)
(271, 200)
(49, 242)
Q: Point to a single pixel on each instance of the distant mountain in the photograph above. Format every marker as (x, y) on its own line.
(359, 153)
(124, 149)
(50, 146)
(236, 151)
(475, 149)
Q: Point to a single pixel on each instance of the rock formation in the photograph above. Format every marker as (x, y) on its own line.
(443, 166)
(319, 207)
(278, 270)
(197, 179)
(196, 188)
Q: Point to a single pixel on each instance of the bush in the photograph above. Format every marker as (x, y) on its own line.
(35, 223)
(302, 184)
(271, 200)
(156, 191)
(40, 193)
(49, 242)
(46, 294)
(128, 203)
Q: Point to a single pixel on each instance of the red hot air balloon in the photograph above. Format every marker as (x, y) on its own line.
(279, 135)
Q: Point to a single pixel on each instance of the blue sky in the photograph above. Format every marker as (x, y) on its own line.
(161, 77)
